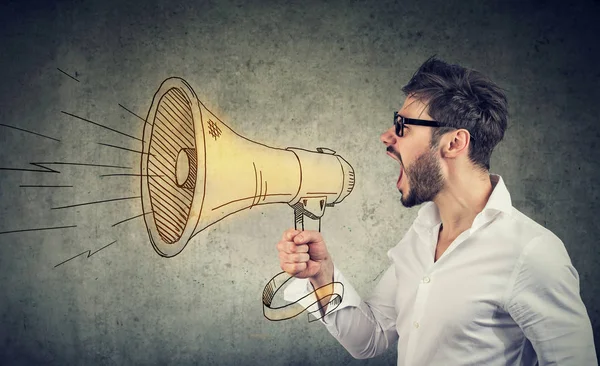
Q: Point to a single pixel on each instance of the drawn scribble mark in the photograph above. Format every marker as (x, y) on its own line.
(213, 129)
(31, 132)
(72, 77)
(190, 181)
(120, 147)
(379, 274)
(125, 108)
(131, 218)
(256, 185)
(37, 229)
(89, 254)
(99, 125)
(250, 198)
(265, 195)
(95, 202)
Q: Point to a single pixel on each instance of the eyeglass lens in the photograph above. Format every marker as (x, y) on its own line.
(398, 123)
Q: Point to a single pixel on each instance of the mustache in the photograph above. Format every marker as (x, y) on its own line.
(393, 151)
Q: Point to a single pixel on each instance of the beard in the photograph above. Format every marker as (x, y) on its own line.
(425, 179)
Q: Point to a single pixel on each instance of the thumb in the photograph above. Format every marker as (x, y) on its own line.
(308, 236)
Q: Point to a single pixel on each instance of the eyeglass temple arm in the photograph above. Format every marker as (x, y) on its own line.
(422, 122)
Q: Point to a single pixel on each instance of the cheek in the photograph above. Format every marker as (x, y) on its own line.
(407, 154)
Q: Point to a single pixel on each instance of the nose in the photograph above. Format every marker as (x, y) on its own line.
(388, 137)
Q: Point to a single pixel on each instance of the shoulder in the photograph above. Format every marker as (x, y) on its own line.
(543, 261)
(530, 237)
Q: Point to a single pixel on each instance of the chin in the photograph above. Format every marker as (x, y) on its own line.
(409, 200)
(409, 203)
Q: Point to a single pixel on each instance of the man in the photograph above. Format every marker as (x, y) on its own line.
(473, 281)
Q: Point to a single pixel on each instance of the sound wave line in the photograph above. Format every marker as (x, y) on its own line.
(99, 125)
(46, 169)
(125, 108)
(39, 165)
(131, 175)
(124, 148)
(68, 75)
(89, 254)
(131, 218)
(87, 164)
(31, 132)
(92, 203)
(37, 229)
(40, 186)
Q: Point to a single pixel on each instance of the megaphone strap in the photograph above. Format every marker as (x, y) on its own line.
(291, 310)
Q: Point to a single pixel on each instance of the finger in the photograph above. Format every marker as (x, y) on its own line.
(293, 268)
(289, 234)
(307, 236)
(291, 247)
(301, 248)
(286, 247)
(294, 257)
(281, 246)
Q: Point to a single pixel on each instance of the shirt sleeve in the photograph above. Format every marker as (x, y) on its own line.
(545, 302)
(365, 328)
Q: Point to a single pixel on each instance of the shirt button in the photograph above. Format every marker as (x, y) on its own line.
(426, 279)
(416, 324)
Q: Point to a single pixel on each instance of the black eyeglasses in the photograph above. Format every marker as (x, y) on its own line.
(400, 121)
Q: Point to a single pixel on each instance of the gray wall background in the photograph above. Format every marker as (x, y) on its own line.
(299, 73)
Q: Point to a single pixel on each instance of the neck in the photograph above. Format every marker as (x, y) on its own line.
(463, 197)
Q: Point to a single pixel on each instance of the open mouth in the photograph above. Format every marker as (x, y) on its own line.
(396, 156)
(400, 177)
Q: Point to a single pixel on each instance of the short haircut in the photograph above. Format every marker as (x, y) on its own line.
(462, 98)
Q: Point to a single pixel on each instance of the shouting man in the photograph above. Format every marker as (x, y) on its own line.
(473, 281)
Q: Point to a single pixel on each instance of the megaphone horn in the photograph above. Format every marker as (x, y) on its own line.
(195, 171)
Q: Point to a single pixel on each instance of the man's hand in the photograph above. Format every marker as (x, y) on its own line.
(303, 254)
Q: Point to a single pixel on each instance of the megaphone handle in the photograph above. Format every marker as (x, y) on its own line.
(278, 281)
(303, 222)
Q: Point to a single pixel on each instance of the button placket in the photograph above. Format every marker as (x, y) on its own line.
(418, 312)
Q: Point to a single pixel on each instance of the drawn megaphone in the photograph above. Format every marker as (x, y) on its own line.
(196, 170)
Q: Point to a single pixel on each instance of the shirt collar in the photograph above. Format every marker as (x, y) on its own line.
(499, 201)
(500, 198)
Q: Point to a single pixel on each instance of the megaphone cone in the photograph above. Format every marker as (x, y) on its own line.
(195, 171)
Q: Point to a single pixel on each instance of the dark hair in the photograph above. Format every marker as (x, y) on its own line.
(462, 98)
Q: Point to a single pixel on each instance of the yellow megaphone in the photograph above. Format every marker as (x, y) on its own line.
(195, 171)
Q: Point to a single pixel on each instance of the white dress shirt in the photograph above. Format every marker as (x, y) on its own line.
(503, 293)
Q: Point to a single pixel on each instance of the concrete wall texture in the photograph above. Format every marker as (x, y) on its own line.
(297, 73)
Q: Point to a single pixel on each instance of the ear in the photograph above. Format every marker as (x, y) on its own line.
(455, 143)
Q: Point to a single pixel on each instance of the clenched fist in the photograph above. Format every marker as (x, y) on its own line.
(303, 254)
